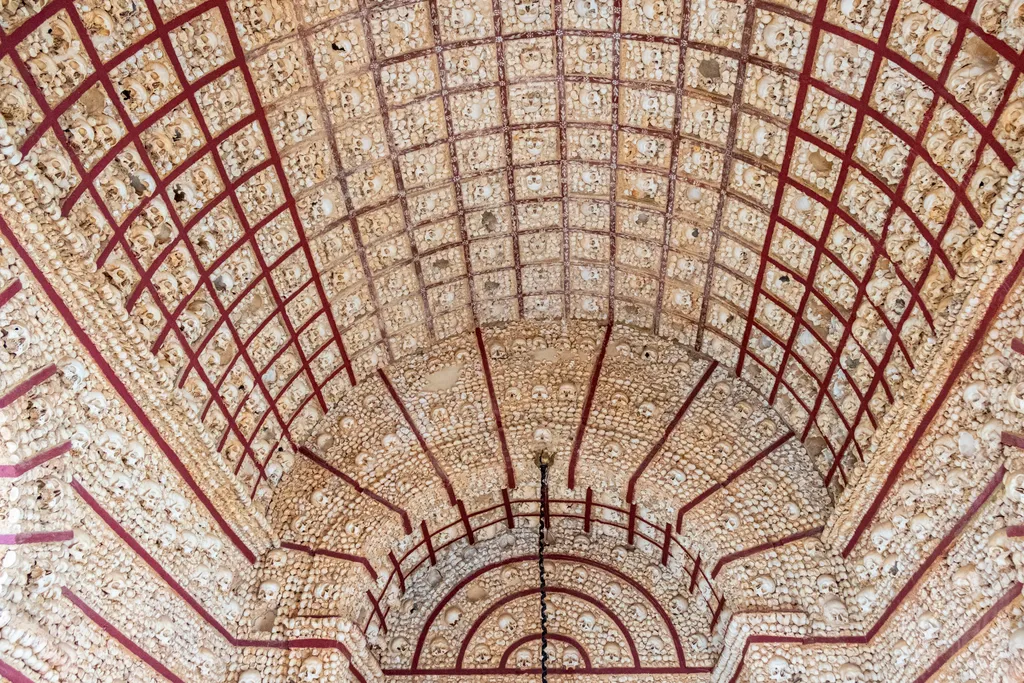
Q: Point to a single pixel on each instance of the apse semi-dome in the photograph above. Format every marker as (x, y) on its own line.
(296, 297)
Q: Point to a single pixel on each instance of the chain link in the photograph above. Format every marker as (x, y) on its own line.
(540, 566)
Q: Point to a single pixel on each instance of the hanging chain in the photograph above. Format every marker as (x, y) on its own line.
(540, 565)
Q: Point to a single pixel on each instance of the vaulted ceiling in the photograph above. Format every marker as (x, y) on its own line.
(382, 253)
(286, 195)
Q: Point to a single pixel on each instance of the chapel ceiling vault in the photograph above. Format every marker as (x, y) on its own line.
(294, 292)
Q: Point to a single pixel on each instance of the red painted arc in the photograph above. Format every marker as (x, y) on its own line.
(555, 556)
(510, 475)
(562, 590)
(558, 637)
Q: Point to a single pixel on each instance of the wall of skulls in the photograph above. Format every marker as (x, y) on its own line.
(937, 557)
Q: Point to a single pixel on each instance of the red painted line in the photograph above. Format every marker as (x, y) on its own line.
(1017, 345)
(937, 553)
(510, 475)
(771, 448)
(510, 520)
(27, 385)
(438, 470)
(558, 637)
(1015, 530)
(588, 404)
(1012, 440)
(666, 544)
(12, 471)
(115, 633)
(126, 395)
(9, 292)
(376, 610)
(429, 543)
(406, 523)
(631, 528)
(13, 675)
(587, 511)
(656, 448)
(622, 671)
(976, 628)
(695, 574)
(579, 595)
(555, 556)
(333, 553)
(398, 569)
(465, 523)
(36, 537)
(127, 539)
(753, 550)
(954, 375)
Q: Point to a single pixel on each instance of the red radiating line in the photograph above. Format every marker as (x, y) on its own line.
(656, 448)
(335, 554)
(747, 552)
(438, 469)
(588, 404)
(733, 476)
(406, 523)
(510, 475)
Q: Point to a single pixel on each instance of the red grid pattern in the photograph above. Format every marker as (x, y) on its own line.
(622, 299)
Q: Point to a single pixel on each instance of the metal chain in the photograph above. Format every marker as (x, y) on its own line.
(540, 565)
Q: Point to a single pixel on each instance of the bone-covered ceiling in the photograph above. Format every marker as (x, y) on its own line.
(286, 195)
(292, 292)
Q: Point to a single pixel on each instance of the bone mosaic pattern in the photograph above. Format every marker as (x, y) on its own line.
(292, 292)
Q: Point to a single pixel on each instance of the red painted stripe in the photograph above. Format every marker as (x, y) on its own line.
(465, 523)
(114, 380)
(947, 387)
(666, 546)
(1015, 530)
(1017, 345)
(12, 471)
(526, 592)
(976, 628)
(9, 292)
(36, 537)
(397, 569)
(631, 528)
(406, 523)
(1012, 440)
(587, 510)
(335, 554)
(376, 611)
(558, 637)
(588, 404)
(937, 553)
(13, 675)
(695, 574)
(127, 539)
(510, 475)
(428, 542)
(27, 385)
(771, 448)
(620, 671)
(510, 520)
(438, 470)
(690, 398)
(747, 552)
(115, 633)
